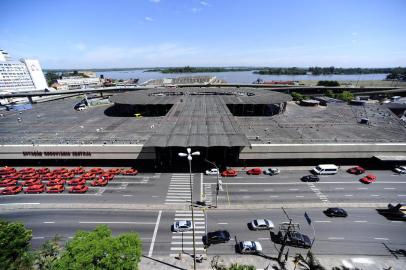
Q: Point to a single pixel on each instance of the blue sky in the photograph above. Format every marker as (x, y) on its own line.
(148, 33)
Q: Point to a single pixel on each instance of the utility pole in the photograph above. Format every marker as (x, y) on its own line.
(218, 181)
(285, 237)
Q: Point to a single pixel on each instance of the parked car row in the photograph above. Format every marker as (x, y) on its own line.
(253, 171)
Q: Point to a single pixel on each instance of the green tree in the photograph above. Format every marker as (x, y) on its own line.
(308, 263)
(297, 96)
(98, 249)
(51, 77)
(330, 93)
(15, 250)
(346, 96)
(48, 254)
(328, 83)
(236, 266)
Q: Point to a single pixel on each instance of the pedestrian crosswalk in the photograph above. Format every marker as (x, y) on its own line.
(179, 189)
(318, 193)
(207, 194)
(183, 242)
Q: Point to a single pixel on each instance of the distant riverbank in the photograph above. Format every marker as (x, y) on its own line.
(243, 77)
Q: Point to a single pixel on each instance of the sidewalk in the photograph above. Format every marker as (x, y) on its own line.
(351, 262)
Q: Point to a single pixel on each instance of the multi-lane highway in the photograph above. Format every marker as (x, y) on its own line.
(150, 203)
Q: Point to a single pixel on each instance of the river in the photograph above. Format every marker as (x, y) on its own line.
(238, 76)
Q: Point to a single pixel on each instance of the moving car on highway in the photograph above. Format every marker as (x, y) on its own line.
(310, 178)
(249, 247)
(182, 226)
(370, 178)
(35, 189)
(254, 171)
(356, 170)
(213, 171)
(400, 169)
(216, 237)
(229, 173)
(56, 189)
(12, 190)
(335, 212)
(325, 169)
(294, 239)
(261, 224)
(78, 189)
(272, 171)
(99, 182)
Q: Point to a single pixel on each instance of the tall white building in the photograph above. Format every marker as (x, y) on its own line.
(20, 76)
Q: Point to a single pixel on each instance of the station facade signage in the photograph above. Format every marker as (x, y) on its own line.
(57, 153)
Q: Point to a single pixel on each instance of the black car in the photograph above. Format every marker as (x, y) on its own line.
(216, 237)
(335, 212)
(310, 178)
(294, 239)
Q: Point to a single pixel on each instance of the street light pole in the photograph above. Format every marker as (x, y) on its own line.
(189, 157)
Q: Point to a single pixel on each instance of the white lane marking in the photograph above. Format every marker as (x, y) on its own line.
(19, 203)
(189, 232)
(299, 196)
(184, 242)
(127, 195)
(222, 223)
(322, 221)
(49, 222)
(186, 248)
(273, 196)
(348, 195)
(38, 237)
(335, 238)
(188, 215)
(151, 247)
(293, 189)
(263, 238)
(389, 188)
(246, 196)
(375, 195)
(362, 188)
(184, 237)
(299, 183)
(184, 218)
(401, 195)
(116, 222)
(339, 188)
(243, 190)
(381, 238)
(360, 221)
(397, 221)
(155, 196)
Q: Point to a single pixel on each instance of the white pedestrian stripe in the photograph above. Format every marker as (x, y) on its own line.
(184, 241)
(316, 191)
(179, 189)
(208, 194)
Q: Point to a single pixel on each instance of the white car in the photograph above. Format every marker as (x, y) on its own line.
(182, 226)
(272, 171)
(249, 247)
(262, 224)
(212, 172)
(400, 169)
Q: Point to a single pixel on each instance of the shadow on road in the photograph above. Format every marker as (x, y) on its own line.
(165, 263)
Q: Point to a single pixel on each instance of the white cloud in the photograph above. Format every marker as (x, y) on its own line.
(149, 19)
(80, 46)
(204, 3)
(155, 1)
(195, 10)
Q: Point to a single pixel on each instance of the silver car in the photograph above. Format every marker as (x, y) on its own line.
(182, 226)
(400, 169)
(249, 247)
(262, 224)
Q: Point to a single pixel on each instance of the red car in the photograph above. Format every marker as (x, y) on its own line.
(56, 182)
(130, 172)
(107, 176)
(229, 173)
(67, 176)
(77, 181)
(43, 170)
(48, 176)
(56, 189)
(255, 171)
(35, 189)
(78, 189)
(11, 190)
(8, 182)
(30, 176)
(96, 170)
(99, 182)
(27, 171)
(78, 170)
(89, 176)
(356, 170)
(15, 176)
(370, 178)
(114, 171)
(32, 182)
(7, 170)
(60, 171)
